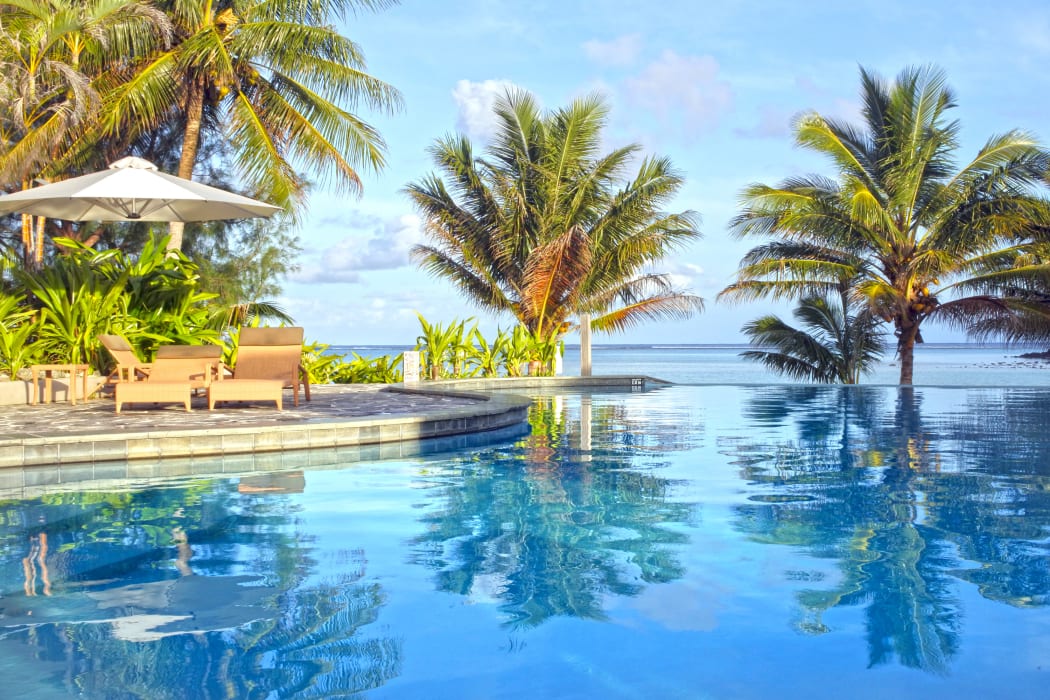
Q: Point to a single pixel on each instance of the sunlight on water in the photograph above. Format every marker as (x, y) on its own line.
(687, 542)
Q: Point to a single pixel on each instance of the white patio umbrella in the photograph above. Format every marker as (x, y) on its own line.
(132, 189)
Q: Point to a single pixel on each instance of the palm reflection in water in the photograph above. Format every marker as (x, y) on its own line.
(555, 524)
(908, 507)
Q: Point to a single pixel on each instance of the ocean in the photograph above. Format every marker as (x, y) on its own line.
(936, 364)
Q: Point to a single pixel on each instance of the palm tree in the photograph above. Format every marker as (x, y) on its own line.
(543, 227)
(922, 239)
(279, 81)
(54, 55)
(838, 346)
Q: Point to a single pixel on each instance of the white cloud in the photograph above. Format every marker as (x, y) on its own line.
(684, 90)
(621, 51)
(772, 123)
(382, 245)
(682, 275)
(474, 102)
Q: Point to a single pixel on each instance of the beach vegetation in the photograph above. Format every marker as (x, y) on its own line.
(57, 58)
(150, 299)
(276, 79)
(487, 356)
(836, 342)
(18, 326)
(443, 348)
(518, 352)
(545, 227)
(55, 314)
(320, 364)
(457, 351)
(920, 237)
(325, 367)
(263, 98)
(384, 369)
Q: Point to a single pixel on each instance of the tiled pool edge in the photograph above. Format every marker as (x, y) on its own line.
(493, 411)
(496, 412)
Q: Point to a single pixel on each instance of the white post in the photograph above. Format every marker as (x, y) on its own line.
(410, 365)
(585, 345)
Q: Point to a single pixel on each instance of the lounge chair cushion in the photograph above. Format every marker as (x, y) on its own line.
(245, 390)
(151, 392)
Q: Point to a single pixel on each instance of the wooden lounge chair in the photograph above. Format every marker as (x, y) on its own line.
(198, 364)
(124, 354)
(175, 373)
(268, 361)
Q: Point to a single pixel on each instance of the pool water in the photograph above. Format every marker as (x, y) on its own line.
(688, 542)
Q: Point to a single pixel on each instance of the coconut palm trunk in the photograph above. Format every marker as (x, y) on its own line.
(190, 144)
(906, 353)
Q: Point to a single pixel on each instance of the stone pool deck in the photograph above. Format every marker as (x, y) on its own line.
(60, 442)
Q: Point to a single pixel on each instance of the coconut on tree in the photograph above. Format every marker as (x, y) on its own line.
(547, 228)
(921, 237)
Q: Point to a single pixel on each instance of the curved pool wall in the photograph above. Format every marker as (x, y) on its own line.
(724, 542)
(41, 436)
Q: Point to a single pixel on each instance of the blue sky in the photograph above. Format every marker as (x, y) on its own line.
(712, 85)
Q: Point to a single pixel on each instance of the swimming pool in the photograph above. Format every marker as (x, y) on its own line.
(693, 541)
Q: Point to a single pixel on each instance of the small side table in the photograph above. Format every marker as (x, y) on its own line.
(48, 370)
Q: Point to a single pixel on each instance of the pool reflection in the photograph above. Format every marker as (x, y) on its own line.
(890, 527)
(551, 527)
(906, 505)
(192, 591)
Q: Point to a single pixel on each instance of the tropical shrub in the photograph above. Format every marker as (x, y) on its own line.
(443, 347)
(454, 351)
(362, 370)
(18, 325)
(324, 367)
(321, 366)
(151, 300)
(487, 357)
(518, 351)
(76, 302)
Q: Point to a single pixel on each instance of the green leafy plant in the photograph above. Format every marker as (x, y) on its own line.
(17, 328)
(77, 301)
(361, 370)
(517, 351)
(442, 347)
(546, 350)
(487, 357)
(151, 299)
(321, 366)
